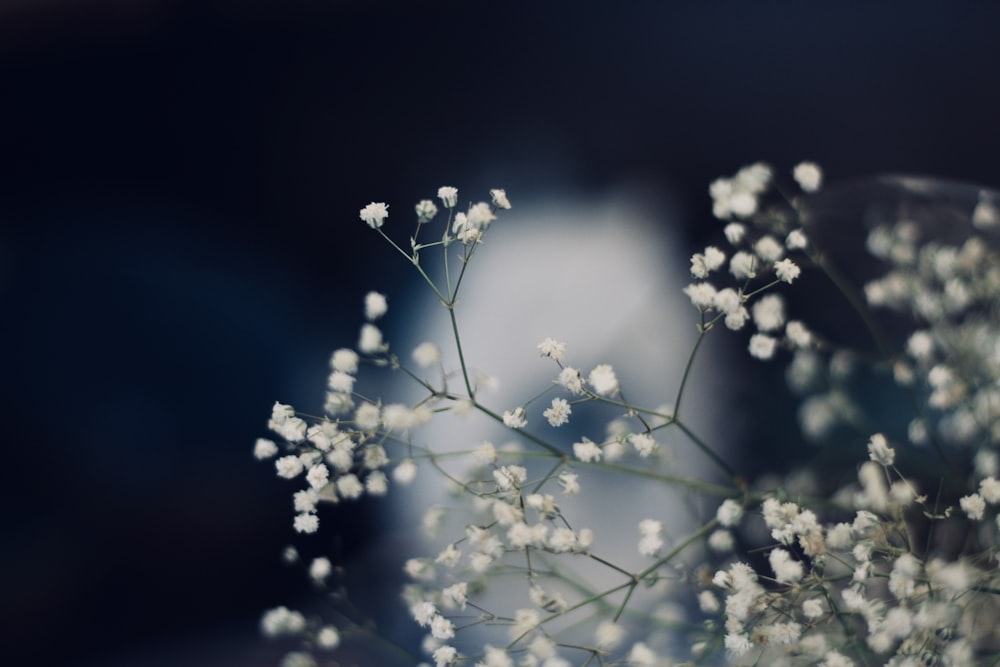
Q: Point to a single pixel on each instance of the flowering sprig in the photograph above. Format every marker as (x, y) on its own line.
(854, 575)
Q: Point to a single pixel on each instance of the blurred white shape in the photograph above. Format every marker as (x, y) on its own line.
(605, 278)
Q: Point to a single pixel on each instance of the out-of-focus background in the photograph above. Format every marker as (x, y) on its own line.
(180, 245)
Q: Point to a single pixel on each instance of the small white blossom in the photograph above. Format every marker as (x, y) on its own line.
(442, 628)
(405, 472)
(370, 340)
(796, 240)
(602, 378)
(426, 210)
(444, 655)
(552, 349)
(609, 634)
(376, 305)
(306, 523)
(282, 621)
(769, 313)
(289, 466)
(328, 638)
(743, 265)
(989, 489)
(735, 232)
(570, 380)
(448, 196)
(973, 505)
(879, 450)
(558, 412)
(644, 444)
(375, 214)
(318, 476)
(499, 198)
(320, 569)
(264, 449)
(787, 270)
(808, 175)
(721, 541)
(762, 346)
(786, 570)
(768, 249)
(587, 451)
(514, 418)
(729, 513)
(344, 360)
(349, 486)
(702, 295)
(569, 482)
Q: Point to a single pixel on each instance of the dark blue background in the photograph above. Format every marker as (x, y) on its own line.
(179, 186)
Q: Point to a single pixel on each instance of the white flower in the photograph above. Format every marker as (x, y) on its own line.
(305, 501)
(737, 319)
(796, 240)
(641, 656)
(442, 628)
(729, 513)
(349, 486)
(989, 489)
(289, 466)
(879, 450)
(737, 644)
(786, 570)
(769, 313)
(768, 249)
(812, 608)
(318, 476)
(282, 621)
(798, 334)
(328, 638)
(448, 196)
(370, 340)
(558, 413)
(375, 214)
(762, 346)
(552, 349)
(985, 215)
(375, 305)
(704, 263)
(368, 417)
(603, 379)
(376, 483)
(306, 523)
(479, 216)
(721, 541)
(735, 232)
(499, 198)
(649, 537)
(644, 444)
(264, 449)
(702, 295)
(743, 265)
(426, 354)
(569, 482)
(973, 505)
(320, 569)
(405, 472)
(570, 380)
(344, 360)
(727, 300)
(609, 634)
(514, 418)
(808, 175)
(787, 270)
(426, 210)
(444, 655)
(586, 451)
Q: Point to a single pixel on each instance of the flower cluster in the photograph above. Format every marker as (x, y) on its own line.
(879, 563)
